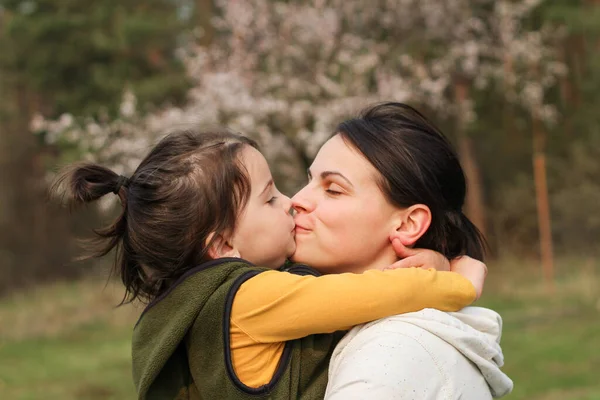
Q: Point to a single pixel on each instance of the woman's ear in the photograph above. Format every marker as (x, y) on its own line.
(413, 223)
(220, 247)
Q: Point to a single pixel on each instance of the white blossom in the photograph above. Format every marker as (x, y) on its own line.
(286, 72)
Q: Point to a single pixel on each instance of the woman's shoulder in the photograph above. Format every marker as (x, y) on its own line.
(389, 356)
(469, 318)
(426, 331)
(456, 345)
(390, 335)
(476, 323)
(383, 330)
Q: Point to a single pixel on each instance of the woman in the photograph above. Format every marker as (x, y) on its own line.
(390, 175)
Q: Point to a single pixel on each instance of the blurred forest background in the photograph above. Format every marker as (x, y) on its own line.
(514, 83)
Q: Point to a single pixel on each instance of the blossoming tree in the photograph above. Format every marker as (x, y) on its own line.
(285, 72)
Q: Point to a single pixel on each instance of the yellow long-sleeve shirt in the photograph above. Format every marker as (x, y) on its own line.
(275, 306)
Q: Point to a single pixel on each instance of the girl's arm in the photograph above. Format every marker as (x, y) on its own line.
(278, 306)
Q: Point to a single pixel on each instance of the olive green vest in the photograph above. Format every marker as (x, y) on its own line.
(181, 346)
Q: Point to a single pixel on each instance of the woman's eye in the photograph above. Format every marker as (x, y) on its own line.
(333, 190)
(272, 200)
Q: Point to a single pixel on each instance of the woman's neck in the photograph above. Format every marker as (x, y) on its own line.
(383, 259)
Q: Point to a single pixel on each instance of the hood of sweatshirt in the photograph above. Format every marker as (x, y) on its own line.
(475, 332)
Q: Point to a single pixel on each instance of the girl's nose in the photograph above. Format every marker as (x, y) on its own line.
(286, 203)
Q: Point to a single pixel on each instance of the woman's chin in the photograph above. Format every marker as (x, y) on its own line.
(299, 256)
(293, 257)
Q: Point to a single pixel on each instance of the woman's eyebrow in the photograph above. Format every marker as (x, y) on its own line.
(326, 174)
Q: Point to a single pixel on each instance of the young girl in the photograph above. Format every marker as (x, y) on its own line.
(202, 231)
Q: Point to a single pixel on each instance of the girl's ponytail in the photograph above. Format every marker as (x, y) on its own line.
(85, 183)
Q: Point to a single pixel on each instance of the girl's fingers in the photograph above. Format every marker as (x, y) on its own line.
(401, 250)
(405, 263)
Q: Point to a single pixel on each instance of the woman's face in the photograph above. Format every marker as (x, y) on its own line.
(343, 220)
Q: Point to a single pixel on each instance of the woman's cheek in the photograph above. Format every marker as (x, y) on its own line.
(332, 214)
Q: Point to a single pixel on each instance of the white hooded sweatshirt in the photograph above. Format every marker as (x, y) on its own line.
(425, 355)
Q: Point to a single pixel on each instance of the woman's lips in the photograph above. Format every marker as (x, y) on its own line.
(301, 229)
(302, 226)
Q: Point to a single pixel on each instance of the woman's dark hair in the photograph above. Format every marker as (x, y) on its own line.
(418, 166)
(192, 183)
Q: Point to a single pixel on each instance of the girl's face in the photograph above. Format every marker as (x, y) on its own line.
(343, 220)
(265, 229)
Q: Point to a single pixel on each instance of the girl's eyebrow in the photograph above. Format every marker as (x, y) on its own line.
(326, 174)
(267, 186)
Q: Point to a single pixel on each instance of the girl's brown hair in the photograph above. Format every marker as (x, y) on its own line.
(191, 184)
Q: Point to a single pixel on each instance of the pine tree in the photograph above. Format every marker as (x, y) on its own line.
(78, 57)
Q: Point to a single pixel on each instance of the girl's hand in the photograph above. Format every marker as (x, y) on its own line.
(418, 258)
(473, 270)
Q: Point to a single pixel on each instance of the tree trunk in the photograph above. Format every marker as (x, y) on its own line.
(511, 133)
(475, 208)
(204, 14)
(542, 202)
(34, 242)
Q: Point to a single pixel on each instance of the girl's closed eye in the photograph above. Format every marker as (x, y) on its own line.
(272, 200)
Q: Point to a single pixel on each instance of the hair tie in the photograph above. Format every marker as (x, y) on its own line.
(121, 181)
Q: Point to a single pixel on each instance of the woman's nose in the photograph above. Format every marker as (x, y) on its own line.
(301, 201)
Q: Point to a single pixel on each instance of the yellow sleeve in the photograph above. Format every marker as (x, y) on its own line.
(277, 306)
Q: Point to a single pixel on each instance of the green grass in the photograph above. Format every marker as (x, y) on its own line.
(551, 339)
(68, 341)
(92, 362)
